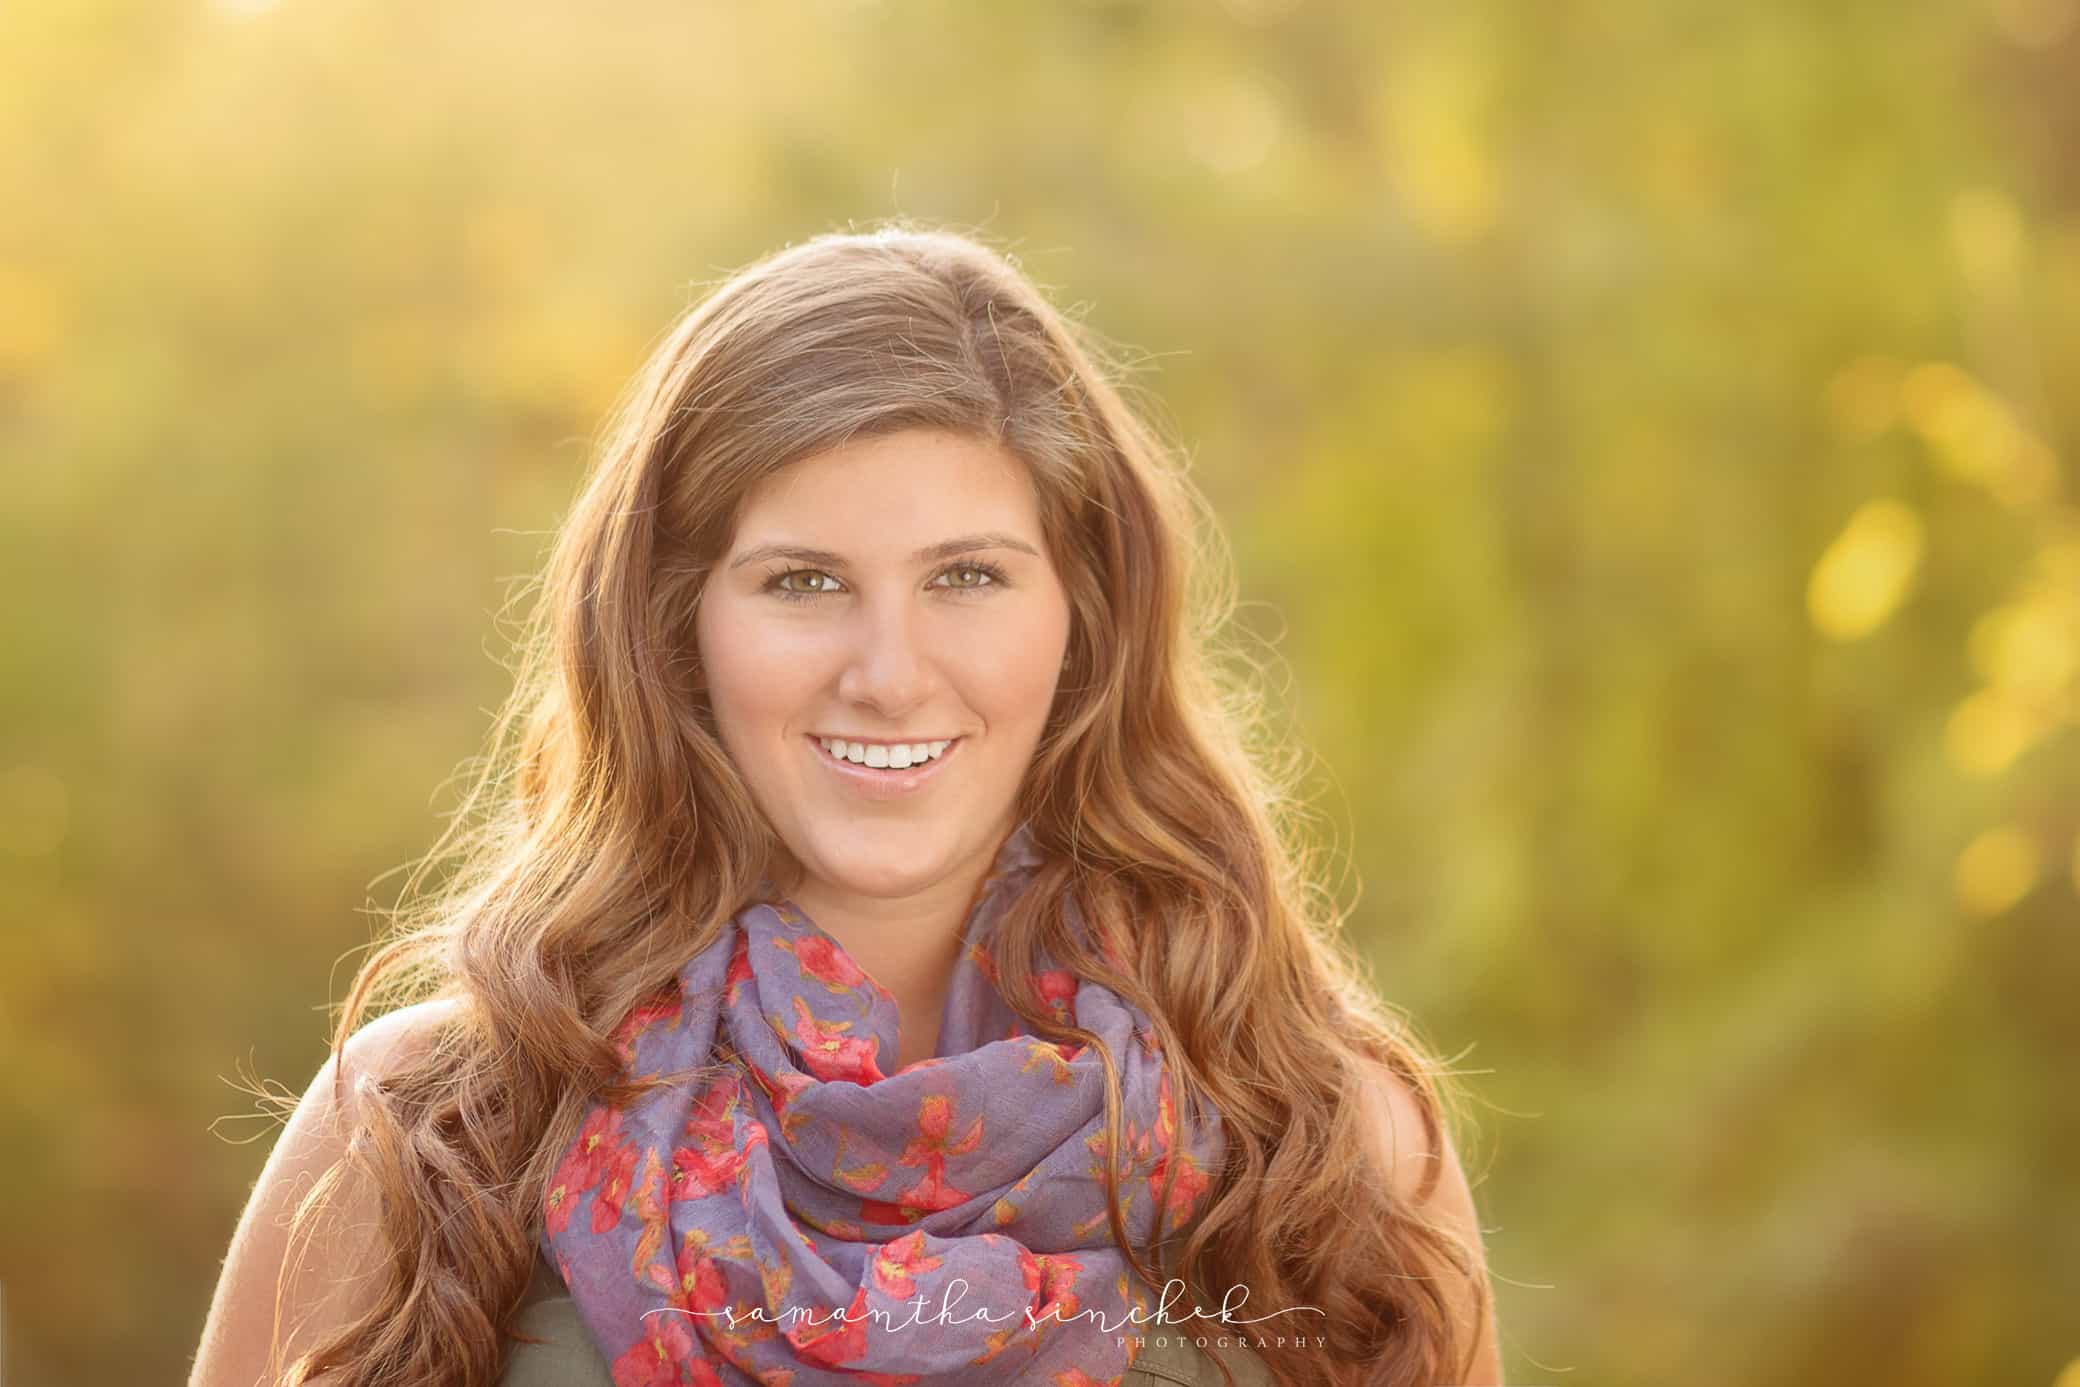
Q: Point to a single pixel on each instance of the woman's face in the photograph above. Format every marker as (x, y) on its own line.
(892, 591)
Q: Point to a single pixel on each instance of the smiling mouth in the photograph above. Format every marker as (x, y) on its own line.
(938, 750)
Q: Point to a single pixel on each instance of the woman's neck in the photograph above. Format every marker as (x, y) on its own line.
(907, 944)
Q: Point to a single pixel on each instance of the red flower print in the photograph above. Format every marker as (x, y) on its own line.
(690, 1300)
(830, 1054)
(713, 1159)
(897, 1265)
(929, 1149)
(583, 1166)
(664, 1006)
(829, 1337)
(650, 1215)
(696, 1174)
(739, 968)
(598, 1136)
(557, 1206)
(1052, 1056)
(657, 1357)
(1051, 1278)
(1166, 1111)
(701, 1286)
(881, 1211)
(714, 1115)
(1191, 1181)
(1058, 992)
(935, 1120)
(780, 1089)
(824, 961)
(613, 1188)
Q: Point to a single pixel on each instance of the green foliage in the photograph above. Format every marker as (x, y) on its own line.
(1645, 429)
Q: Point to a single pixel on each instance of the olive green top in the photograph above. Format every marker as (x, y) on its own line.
(568, 1358)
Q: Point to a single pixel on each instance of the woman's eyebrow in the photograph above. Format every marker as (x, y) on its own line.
(944, 549)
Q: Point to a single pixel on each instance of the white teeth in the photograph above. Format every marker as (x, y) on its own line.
(883, 756)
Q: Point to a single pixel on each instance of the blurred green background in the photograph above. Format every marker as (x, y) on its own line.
(1645, 430)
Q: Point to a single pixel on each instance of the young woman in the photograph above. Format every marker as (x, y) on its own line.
(874, 955)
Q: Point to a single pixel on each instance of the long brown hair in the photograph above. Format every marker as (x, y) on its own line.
(606, 836)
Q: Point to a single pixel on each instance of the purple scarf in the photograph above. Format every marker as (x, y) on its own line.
(804, 1178)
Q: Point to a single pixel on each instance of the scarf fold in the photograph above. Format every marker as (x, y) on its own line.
(797, 1215)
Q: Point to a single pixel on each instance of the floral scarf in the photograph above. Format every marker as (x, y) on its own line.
(941, 1225)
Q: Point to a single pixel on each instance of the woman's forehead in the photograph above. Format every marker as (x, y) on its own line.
(892, 492)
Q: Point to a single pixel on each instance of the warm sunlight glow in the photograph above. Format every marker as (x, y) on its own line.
(1864, 575)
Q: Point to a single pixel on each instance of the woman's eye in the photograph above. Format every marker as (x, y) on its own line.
(781, 582)
(986, 575)
(807, 584)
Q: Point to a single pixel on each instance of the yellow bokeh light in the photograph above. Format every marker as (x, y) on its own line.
(2027, 646)
(1975, 437)
(1234, 124)
(1995, 870)
(1861, 578)
(1988, 731)
(1949, 409)
(1434, 152)
(1986, 233)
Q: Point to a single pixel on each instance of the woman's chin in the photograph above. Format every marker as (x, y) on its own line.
(871, 874)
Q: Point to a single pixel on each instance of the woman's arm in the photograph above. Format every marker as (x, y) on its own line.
(329, 1286)
(1404, 1150)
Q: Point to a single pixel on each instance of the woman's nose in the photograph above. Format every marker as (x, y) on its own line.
(888, 662)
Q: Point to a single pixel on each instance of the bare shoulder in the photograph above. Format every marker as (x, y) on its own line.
(1414, 1155)
(379, 1048)
(1423, 1169)
(395, 1036)
(329, 1285)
